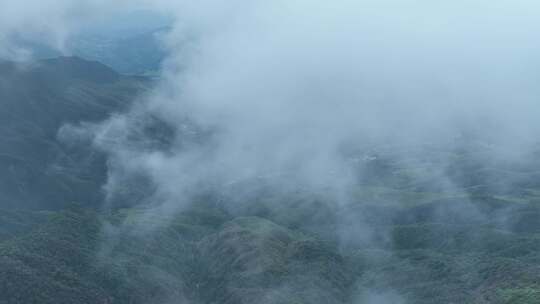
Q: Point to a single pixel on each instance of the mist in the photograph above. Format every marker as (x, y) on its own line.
(288, 87)
(299, 97)
(52, 23)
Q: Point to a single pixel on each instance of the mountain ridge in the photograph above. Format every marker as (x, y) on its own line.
(37, 99)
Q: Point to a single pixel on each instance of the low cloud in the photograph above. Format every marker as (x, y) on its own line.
(288, 86)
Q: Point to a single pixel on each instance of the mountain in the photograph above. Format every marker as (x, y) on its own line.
(401, 239)
(137, 51)
(134, 54)
(37, 98)
(130, 43)
(205, 254)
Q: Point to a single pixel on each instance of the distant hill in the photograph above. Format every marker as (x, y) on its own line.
(134, 54)
(36, 100)
(130, 52)
(129, 42)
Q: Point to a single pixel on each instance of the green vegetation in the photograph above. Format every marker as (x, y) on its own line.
(205, 254)
(449, 227)
(520, 295)
(38, 168)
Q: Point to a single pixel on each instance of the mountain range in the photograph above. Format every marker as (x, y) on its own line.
(60, 243)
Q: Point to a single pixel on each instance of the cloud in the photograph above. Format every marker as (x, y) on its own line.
(50, 22)
(290, 84)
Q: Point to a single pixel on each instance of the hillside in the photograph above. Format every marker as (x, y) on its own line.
(403, 237)
(37, 170)
(135, 54)
(208, 255)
